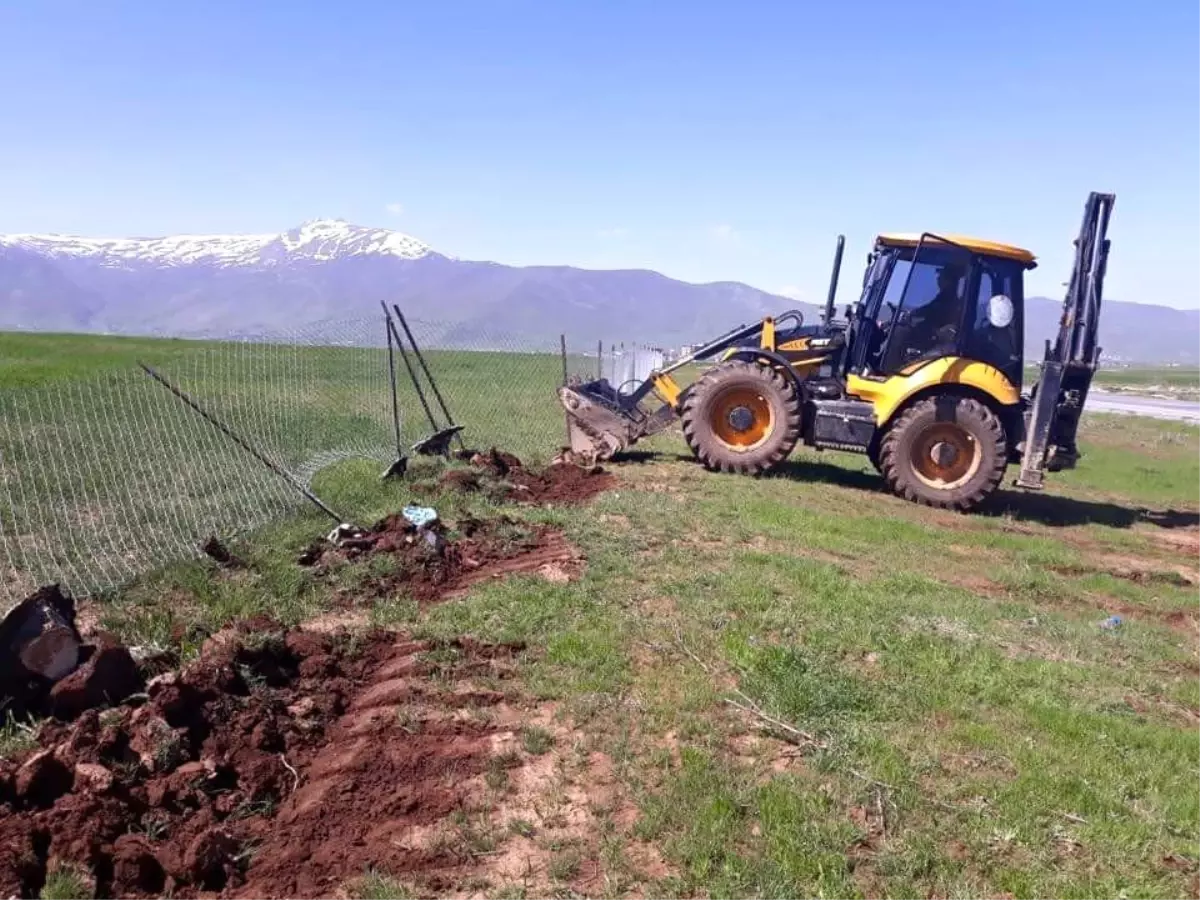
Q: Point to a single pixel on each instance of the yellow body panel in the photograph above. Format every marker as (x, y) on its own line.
(768, 335)
(889, 395)
(667, 388)
(991, 248)
(804, 368)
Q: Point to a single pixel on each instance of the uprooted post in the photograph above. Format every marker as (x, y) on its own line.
(241, 442)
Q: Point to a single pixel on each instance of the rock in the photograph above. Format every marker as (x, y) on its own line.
(311, 555)
(92, 777)
(302, 708)
(214, 644)
(185, 783)
(107, 678)
(19, 864)
(267, 736)
(38, 636)
(191, 770)
(86, 732)
(159, 683)
(153, 661)
(157, 744)
(42, 779)
(315, 666)
(217, 551)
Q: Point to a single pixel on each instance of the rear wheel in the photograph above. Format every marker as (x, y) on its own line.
(946, 451)
(741, 417)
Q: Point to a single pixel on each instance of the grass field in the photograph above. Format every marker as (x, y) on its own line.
(1172, 376)
(951, 718)
(968, 728)
(1178, 382)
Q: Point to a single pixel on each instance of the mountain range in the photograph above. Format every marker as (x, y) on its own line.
(220, 285)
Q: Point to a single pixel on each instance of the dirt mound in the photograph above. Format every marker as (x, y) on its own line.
(281, 763)
(562, 484)
(506, 477)
(437, 562)
(495, 461)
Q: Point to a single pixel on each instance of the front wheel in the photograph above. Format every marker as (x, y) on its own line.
(948, 451)
(741, 417)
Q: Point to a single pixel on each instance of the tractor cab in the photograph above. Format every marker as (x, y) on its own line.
(927, 297)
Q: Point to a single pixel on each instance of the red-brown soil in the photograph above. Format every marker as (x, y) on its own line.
(279, 764)
(441, 562)
(559, 483)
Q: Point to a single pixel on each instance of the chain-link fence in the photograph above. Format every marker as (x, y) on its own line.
(110, 473)
(106, 475)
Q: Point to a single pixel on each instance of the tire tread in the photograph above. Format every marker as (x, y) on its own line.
(900, 478)
(705, 446)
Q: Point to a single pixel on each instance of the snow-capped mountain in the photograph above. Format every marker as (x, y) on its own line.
(321, 240)
(219, 285)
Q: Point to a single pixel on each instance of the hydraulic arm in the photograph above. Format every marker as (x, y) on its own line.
(1070, 364)
(602, 420)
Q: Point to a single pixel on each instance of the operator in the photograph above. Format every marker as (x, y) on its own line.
(945, 309)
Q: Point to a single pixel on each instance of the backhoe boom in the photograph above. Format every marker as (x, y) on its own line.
(1070, 364)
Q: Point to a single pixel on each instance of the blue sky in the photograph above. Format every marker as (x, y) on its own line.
(709, 141)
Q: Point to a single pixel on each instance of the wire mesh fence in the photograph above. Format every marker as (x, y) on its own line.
(108, 474)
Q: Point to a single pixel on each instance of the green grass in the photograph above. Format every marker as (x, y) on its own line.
(1138, 377)
(536, 740)
(378, 886)
(16, 737)
(66, 882)
(1168, 376)
(969, 729)
(1154, 461)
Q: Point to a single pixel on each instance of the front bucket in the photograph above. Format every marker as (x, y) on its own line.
(596, 431)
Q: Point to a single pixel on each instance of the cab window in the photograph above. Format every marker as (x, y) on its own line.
(996, 323)
(927, 320)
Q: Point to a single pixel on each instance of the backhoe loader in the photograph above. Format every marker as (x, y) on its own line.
(923, 375)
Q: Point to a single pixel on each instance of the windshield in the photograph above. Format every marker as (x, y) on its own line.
(924, 303)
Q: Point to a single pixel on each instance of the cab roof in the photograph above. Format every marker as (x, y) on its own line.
(986, 248)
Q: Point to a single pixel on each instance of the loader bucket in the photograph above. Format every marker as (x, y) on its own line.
(602, 423)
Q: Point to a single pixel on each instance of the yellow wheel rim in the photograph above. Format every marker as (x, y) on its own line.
(945, 456)
(742, 418)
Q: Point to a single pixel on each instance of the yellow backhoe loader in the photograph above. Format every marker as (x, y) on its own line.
(923, 375)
